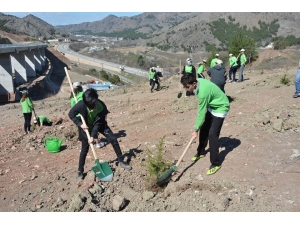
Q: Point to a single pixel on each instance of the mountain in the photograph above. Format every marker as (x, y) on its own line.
(179, 29)
(30, 25)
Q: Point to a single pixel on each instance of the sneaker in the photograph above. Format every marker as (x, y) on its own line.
(124, 165)
(100, 144)
(29, 132)
(296, 95)
(213, 169)
(25, 132)
(197, 157)
(80, 176)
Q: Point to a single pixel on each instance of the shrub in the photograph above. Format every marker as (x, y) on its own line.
(284, 80)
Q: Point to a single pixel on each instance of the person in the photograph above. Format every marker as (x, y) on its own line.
(297, 83)
(155, 80)
(151, 78)
(27, 107)
(94, 112)
(243, 61)
(233, 67)
(214, 61)
(78, 91)
(217, 75)
(201, 69)
(189, 69)
(213, 107)
(42, 120)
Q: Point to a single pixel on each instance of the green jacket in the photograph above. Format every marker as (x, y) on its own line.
(26, 105)
(213, 62)
(211, 98)
(151, 75)
(232, 61)
(243, 59)
(78, 96)
(200, 69)
(43, 119)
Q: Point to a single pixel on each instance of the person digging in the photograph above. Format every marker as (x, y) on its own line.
(212, 109)
(94, 112)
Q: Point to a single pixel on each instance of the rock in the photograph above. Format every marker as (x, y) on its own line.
(147, 195)
(96, 190)
(277, 124)
(77, 203)
(118, 202)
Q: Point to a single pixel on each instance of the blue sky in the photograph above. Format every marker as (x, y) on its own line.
(65, 18)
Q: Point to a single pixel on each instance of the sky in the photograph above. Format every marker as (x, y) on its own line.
(58, 12)
(66, 18)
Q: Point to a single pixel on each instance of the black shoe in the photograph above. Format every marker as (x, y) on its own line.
(80, 176)
(124, 165)
(296, 95)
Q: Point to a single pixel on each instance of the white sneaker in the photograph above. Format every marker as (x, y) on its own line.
(100, 144)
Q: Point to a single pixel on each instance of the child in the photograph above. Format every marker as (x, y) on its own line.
(78, 91)
(27, 107)
(94, 112)
(42, 120)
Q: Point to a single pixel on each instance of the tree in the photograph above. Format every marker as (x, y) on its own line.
(280, 44)
(52, 32)
(141, 61)
(240, 41)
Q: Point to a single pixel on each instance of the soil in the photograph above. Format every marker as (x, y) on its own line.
(259, 146)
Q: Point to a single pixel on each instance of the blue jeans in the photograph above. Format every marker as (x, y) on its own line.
(241, 75)
(297, 81)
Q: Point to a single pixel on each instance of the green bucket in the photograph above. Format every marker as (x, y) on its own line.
(52, 143)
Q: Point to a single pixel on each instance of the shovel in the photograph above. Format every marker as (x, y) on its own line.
(167, 175)
(180, 93)
(102, 170)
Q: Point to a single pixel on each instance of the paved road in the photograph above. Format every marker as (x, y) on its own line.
(74, 56)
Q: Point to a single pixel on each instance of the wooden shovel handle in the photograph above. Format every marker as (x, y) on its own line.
(185, 150)
(82, 119)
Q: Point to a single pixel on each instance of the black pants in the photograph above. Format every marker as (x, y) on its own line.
(153, 82)
(107, 132)
(232, 72)
(27, 117)
(210, 131)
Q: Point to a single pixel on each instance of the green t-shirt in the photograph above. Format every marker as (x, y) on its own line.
(200, 69)
(26, 105)
(151, 75)
(232, 61)
(43, 119)
(92, 115)
(211, 98)
(78, 96)
(213, 62)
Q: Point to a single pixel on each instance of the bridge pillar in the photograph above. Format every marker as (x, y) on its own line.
(30, 64)
(18, 65)
(42, 56)
(37, 59)
(6, 81)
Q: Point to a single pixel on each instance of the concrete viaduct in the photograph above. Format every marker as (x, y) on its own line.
(17, 63)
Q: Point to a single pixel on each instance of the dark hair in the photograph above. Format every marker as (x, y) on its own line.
(90, 98)
(76, 91)
(24, 96)
(187, 79)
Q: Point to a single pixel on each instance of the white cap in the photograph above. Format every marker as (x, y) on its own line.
(219, 62)
(217, 55)
(76, 84)
(242, 50)
(204, 60)
(230, 54)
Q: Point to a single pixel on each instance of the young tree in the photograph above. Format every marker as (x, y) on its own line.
(240, 41)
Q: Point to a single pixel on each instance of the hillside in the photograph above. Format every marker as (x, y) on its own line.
(258, 146)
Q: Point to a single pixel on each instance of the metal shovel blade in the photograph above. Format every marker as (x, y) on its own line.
(102, 170)
(166, 176)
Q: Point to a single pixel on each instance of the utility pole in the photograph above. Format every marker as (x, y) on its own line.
(102, 66)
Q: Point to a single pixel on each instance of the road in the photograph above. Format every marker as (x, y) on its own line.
(74, 56)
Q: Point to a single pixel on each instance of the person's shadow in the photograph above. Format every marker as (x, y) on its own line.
(230, 144)
(121, 133)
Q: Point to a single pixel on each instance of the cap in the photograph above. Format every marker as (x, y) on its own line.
(24, 92)
(230, 54)
(217, 55)
(219, 62)
(204, 60)
(242, 50)
(76, 84)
